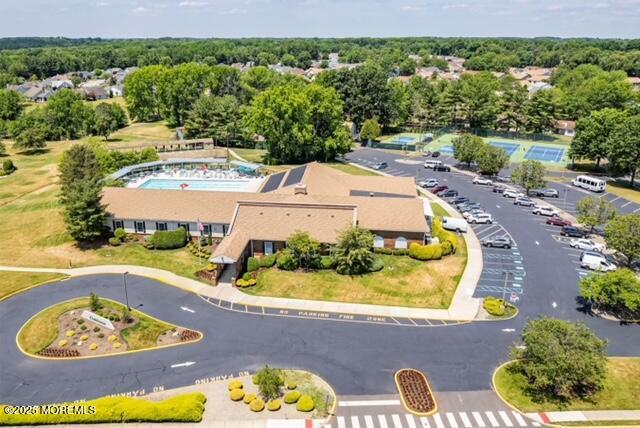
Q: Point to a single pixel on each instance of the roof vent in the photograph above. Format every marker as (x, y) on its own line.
(300, 189)
(371, 194)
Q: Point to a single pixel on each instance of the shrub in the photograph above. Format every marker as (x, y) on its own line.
(444, 235)
(80, 321)
(353, 255)
(286, 261)
(96, 329)
(117, 345)
(292, 385)
(236, 394)
(327, 262)
(245, 283)
(400, 252)
(182, 408)
(248, 398)
(247, 276)
(83, 327)
(377, 265)
(62, 343)
(425, 252)
(269, 381)
(235, 384)
(120, 234)
(447, 248)
(94, 302)
(100, 335)
(70, 333)
(7, 166)
(93, 346)
(112, 338)
(257, 405)
(305, 404)
(167, 240)
(253, 264)
(84, 337)
(211, 267)
(274, 405)
(383, 250)
(268, 261)
(292, 397)
(495, 307)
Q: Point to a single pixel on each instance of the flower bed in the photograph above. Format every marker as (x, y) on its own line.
(415, 392)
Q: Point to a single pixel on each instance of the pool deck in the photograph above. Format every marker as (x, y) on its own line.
(245, 184)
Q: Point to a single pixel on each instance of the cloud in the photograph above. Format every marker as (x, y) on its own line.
(102, 4)
(193, 3)
(410, 8)
(234, 11)
(141, 10)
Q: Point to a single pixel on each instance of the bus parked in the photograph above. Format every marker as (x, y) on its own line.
(589, 183)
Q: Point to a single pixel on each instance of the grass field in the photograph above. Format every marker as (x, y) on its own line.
(41, 330)
(350, 169)
(251, 155)
(621, 390)
(402, 282)
(10, 282)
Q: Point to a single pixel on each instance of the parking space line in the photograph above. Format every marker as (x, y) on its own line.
(630, 202)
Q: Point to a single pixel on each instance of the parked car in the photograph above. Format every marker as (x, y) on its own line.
(449, 193)
(473, 212)
(480, 219)
(455, 224)
(460, 200)
(545, 211)
(510, 193)
(442, 168)
(428, 184)
(573, 232)
(557, 221)
(426, 153)
(586, 244)
(463, 209)
(430, 163)
(499, 242)
(523, 202)
(499, 188)
(435, 154)
(380, 165)
(596, 261)
(545, 193)
(482, 180)
(503, 179)
(439, 189)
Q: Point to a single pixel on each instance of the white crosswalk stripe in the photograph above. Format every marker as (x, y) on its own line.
(492, 419)
(411, 421)
(425, 422)
(341, 423)
(465, 420)
(519, 419)
(355, 422)
(452, 420)
(438, 420)
(383, 421)
(505, 418)
(397, 423)
(478, 419)
(368, 421)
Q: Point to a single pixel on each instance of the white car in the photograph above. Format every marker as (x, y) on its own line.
(427, 184)
(480, 219)
(546, 211)
(510, 193)
(473, 212)
(482, 180)
(596, 261)
(586, 244)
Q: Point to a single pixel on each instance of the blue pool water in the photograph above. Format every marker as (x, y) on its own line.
(217, 185)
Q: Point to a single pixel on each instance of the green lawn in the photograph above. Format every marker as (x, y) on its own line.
(621, 390)
(438, 210)
(42, 330)
(251, 155)
(10, 282)
(350, 169)
(403, 282)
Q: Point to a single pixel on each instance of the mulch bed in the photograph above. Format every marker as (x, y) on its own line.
(415, 391)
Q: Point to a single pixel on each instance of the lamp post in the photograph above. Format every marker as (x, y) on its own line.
(504, 289)
(126, 294)
(566, 192)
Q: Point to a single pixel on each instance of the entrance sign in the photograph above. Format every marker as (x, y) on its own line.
(97, 319)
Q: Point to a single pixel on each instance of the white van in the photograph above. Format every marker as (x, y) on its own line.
(455, 224)
(595, 261)
(589, 183)
(430, 163)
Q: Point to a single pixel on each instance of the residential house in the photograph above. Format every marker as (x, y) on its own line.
(565, 127)
(635, 82)
(116, 90)
(93, 93)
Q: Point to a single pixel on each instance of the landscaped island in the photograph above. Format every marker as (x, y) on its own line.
(87, 327)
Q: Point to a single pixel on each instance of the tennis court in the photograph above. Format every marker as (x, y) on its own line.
(544, 154)
(402, 140)
(510, 148)
(446, 149)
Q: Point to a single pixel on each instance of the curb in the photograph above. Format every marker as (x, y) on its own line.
(435, 402)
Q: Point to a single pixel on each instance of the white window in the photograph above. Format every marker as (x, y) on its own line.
(268, 247)
(161, 226)
(401, 242)
(378, 241)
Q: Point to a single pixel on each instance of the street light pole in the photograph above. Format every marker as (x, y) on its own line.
(504, 289)
(126, 294)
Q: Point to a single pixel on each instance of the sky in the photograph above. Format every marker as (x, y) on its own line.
(319, 18)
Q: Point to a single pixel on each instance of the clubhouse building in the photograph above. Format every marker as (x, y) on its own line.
(313, 197)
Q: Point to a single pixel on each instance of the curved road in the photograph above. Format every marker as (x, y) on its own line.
(357, 359)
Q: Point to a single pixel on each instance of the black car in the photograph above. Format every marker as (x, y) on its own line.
(460, 200)
(450, 193)
(573, 232)
(498, 189)
(435, 154)
(499, 242)
(443, 168)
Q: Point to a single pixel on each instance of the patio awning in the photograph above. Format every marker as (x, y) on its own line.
(246, 165)
(222, 260)
(428, 210)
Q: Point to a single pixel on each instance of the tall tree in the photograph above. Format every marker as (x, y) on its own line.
(529, 174)
(624, 147)
(617, 291)
(594, 211)
(219, 118)
(593, 132)
(623, 234)
(492, 159)
(370, 129)
(178, 88)
(541, 112)
(561, 360)
(67, 115)
(78, 163)
(108, 118)
(467, 147)
(511, 107)
(353, 254)
(479, 100)
(141, 93)
(304, 248)
(11, 104)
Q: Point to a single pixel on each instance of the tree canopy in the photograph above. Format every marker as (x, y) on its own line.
(623, 234)
(594, 211)
(617, 291)
(529, 174)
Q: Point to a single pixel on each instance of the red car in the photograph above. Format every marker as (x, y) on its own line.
(557, 221)
(439, 189)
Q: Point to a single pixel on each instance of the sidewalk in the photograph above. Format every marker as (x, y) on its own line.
(585, 416)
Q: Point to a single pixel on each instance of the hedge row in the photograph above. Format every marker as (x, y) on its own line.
(444, 235)
(182, 408)
(425, 252)
(254, 263)
(167, 240)
(392, 251)
(494, 306)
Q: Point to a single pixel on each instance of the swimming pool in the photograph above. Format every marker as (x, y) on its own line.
(191, 184)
